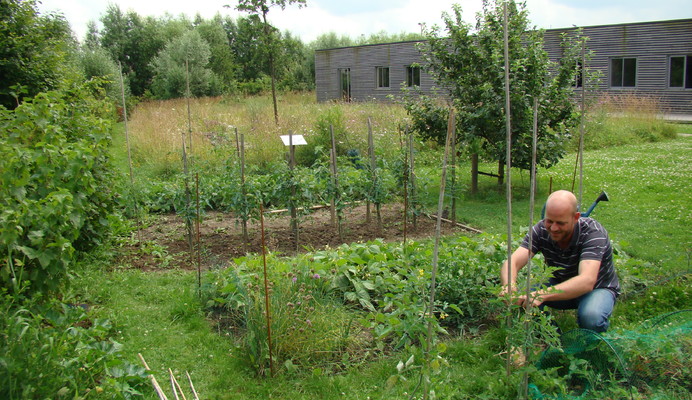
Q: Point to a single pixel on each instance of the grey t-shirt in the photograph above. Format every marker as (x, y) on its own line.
(589, 242)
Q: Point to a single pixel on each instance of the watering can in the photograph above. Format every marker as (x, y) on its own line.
(601, 197)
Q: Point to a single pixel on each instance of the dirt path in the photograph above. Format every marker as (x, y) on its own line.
(164, 242)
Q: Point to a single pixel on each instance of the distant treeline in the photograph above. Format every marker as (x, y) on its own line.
(157, 55)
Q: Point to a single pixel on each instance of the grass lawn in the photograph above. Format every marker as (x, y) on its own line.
(157, 313)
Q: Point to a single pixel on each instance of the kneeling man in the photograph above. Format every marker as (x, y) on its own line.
(580, 248)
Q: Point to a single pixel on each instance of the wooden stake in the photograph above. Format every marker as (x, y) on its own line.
(292, 207)
(436, 251)
(412, 179)
(192, 387)
(373, 169)
(157, 388)
(508, 157)
(241, 150)
(199, 241)
(266, 296)
(174, 385)
(335, 184)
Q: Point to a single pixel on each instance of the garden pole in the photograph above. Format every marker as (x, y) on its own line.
(199, 242)
(581, 125)
(237, 142)
(508, 162)
(405, 178)
(335, 184)
(292, 206)
(412, 179)
(373, 167)
(332, 208)
(433, 274)
(453, 165)
(532, 200)
(188, 220)
(127, 143)
(266, 296)
(187, 95)
(242, 186)
(367, 201)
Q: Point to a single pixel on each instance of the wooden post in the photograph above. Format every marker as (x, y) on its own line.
(453, 164)
(412, 179)
(367, 201)
(373, 168)
(291, 166)
(266, 297)
(474, 173)
(129, 153)
(581, 125)
(243, 188)
(199, 242)
(187, 95)
(433, 274)
(335, 184)
(405, 178)
(508, 162)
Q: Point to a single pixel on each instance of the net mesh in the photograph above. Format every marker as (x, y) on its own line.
(653, 357)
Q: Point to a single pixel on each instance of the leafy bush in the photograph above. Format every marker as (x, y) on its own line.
(56, 351)
(55, 185)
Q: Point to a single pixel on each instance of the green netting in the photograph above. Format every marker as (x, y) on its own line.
(651, 358)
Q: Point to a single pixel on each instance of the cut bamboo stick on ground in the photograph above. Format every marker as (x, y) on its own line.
(176, 386)
(192, 387)
(159, 391)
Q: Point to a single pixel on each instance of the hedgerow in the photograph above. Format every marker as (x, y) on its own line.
(55, 185)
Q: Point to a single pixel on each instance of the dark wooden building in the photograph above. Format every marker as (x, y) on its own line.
(652, 59)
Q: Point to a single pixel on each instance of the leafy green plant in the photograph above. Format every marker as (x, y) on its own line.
(55, 185)
(55, 350)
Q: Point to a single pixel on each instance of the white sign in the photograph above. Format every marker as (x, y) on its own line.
(297, 140)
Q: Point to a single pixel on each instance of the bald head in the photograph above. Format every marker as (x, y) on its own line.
(562, 200)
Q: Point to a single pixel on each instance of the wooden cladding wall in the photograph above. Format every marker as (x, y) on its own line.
(650, 43)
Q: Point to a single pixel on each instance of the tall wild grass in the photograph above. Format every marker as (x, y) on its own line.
(156, 128)
(615, 120)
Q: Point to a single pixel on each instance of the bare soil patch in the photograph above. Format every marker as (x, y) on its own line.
(164, 244)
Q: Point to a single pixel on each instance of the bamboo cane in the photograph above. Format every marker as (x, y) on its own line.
(157, 388)
(508, 162)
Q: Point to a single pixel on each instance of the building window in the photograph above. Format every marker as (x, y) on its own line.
(623, 72)
(680, 72)
(579, 76)
(382, 77)
(412, 76)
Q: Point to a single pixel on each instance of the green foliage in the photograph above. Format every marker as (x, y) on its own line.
(319, 139)
(470, 62)
(96, 63)
(56, 350)
(33, 49)
(182, 58)
(56, 185)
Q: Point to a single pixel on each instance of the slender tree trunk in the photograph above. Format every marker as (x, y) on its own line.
(268, 42)
(500, 173)
(474, 173)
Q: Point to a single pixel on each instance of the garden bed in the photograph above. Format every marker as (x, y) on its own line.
(163, 243)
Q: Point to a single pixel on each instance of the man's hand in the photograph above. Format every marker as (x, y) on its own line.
(534, 299)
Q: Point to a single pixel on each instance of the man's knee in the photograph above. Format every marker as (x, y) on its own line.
(593, 320)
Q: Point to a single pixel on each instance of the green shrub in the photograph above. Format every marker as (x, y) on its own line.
(56, 351)
(56, 190)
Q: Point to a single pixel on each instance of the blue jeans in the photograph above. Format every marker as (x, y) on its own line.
(593, 308)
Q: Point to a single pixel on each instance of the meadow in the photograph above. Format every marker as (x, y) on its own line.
(350, 320)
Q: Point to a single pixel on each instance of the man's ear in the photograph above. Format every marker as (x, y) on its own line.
(577, 215)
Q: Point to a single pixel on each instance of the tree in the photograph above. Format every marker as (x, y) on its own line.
(221, 60)
(182, 57)
(134, 42)
(261, 7)
(34, 50)
(470, 64)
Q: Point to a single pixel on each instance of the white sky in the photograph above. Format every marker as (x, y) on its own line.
(363, 17)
